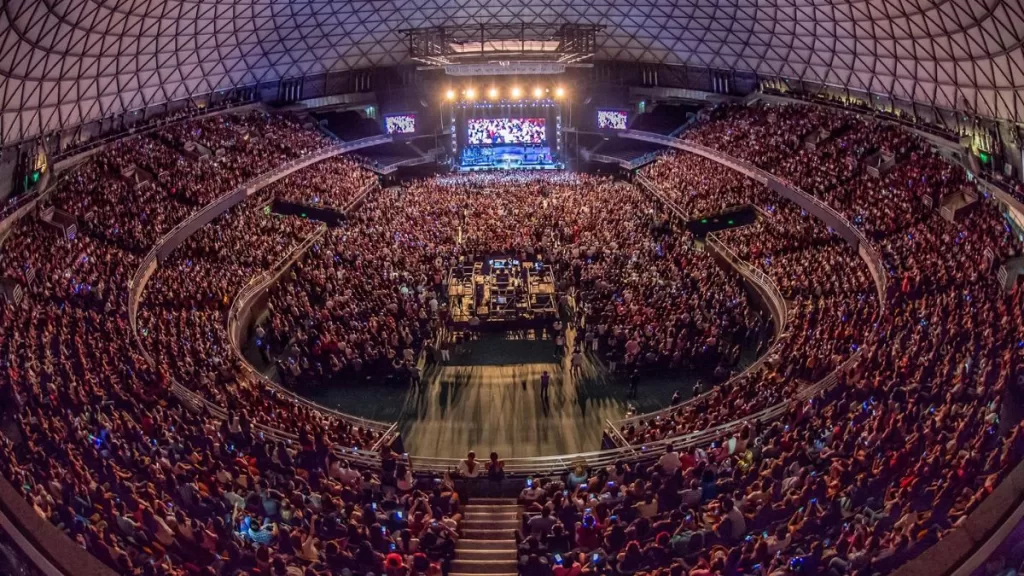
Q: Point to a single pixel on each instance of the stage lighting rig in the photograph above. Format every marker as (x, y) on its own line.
(493, 94)
(516, 92)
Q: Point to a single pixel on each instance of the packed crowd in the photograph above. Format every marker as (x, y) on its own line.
(857, 480)
(370, 302)
(699, 187)
(871, 472)
(830, 292)
(334, 183)
(99, 446)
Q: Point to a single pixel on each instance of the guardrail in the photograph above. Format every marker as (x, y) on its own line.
(776, 302)
(780, 313)
(238, 324)
(809, 202)
(183, 230)
(867, 253)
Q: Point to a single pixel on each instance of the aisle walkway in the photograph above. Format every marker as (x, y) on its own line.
(488, 543)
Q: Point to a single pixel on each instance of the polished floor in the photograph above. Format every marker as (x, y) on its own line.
(489, 399)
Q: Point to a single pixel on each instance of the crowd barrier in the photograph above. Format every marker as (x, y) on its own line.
(760, 281)
(814, 206)
(183, 230)
(836, 221)
(240, 318)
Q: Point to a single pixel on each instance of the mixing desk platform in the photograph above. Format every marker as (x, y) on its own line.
(501, 290)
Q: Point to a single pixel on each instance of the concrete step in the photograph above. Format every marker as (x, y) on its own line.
(476, 521)
(484, 566)
(492, 501)
(491, 508)
(506, 554)
(464, 544)
(488, 533)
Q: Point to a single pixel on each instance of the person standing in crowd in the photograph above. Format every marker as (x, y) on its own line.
(559, 345)
(415, 378)
(469, 467)
(634, 382)
(545, 384)
(496, 468)
(445, 351)
(677, 398)
(577, 363)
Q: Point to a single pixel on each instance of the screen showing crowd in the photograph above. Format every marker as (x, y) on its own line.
(506, 131)
(400, 124)
(611, 119)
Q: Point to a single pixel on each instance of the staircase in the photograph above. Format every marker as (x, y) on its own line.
(488, 544)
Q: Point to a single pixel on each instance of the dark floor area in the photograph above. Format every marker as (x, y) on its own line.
(488, 398)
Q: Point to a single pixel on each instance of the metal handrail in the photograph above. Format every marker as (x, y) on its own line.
(780, 338)
(149, 264)
(869, 254)
(617, 436)
(242, 301)
(561, 463)
(757, 276)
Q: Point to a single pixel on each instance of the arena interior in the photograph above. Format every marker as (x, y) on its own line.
(692, 288)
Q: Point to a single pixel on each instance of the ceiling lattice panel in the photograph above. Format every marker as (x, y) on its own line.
(63, 62)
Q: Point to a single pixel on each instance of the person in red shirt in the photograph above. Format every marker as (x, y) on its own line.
(588, 534)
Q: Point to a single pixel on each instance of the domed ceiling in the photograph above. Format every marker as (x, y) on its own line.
(63, 62)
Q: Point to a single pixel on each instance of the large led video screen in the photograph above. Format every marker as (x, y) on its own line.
(487, 131)
(400, 124)
(611, 119)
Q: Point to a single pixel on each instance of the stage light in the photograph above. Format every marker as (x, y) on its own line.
(470, 93)
(538, 92)
(450, 94)
(559, 92)
(493, 93)
(516, 92)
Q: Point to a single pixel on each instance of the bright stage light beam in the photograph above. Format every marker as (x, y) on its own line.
(470, 93)
(493, 94)
(538, 92)
(559, 92)
(516, 92)
(450, 94)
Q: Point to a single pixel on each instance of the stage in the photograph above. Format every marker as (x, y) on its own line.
(507, 135)
(507, 157)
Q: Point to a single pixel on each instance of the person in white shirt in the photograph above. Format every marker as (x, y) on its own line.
(736, 520)
(469, 467)
(669, 461)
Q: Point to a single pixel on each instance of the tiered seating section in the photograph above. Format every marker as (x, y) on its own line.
(856, 480)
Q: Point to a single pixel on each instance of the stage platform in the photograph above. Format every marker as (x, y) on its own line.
(507, 157)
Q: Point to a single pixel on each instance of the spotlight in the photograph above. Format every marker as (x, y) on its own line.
(492, 93)
(450, 95)
(470, 93)
(516, 92)
(538, 92)
(559, 92)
